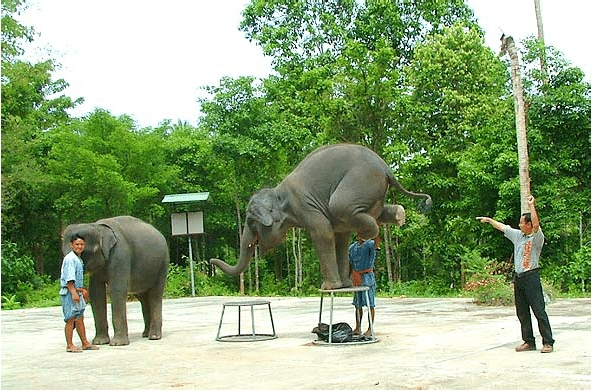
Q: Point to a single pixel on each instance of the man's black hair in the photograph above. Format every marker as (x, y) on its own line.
(527, 217)
(75, 237)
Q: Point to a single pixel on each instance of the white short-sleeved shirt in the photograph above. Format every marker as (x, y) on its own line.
(527, 248)
(72, 269)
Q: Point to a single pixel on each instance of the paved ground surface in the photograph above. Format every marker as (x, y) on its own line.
(423, 344)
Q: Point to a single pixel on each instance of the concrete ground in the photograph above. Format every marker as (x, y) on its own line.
(423, 344)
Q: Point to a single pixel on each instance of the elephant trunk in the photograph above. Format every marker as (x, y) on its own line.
(248, 246)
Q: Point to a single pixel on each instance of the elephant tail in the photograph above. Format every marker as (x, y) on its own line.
(424, 205)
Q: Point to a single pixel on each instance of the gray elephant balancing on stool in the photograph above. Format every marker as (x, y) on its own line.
(335, 191)
(125, 256)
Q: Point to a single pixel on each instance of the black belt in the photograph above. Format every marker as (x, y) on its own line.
(526, 273)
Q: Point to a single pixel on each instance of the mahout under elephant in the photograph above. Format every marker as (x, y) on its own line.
(123, 255)
(336, 190)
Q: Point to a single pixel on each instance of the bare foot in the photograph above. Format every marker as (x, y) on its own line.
(91, 347)
(73, 349)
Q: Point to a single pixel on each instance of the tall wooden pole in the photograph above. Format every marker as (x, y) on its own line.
(543, 63)
(507, 44)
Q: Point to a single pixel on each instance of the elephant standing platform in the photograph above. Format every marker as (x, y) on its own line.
(239, 337)
(365, 289)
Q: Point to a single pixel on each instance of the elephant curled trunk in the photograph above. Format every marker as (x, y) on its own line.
(248, 246)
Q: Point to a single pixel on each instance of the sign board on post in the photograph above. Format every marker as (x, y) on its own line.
(187, 223)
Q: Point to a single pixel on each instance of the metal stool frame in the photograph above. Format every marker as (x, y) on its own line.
(345, 290)
(246, 337)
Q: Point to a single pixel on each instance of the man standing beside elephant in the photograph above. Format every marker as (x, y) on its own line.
(362, 257)
(73, 296)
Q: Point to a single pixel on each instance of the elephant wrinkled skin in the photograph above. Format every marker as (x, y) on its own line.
(126, 256)
(335, 191)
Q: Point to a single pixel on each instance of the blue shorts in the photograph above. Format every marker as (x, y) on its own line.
(72, 309)
(360, 299)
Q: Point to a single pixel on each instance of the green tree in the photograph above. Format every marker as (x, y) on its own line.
(559, 123)
(32, 104)
(456, 116)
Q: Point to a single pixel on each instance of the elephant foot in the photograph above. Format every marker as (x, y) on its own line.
(331, 285)
(347, 283)
(101, 340)
(151, 336)
(120, 341)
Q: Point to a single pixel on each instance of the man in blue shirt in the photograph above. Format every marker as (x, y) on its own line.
(73, 295)
(528, 243)
(362, 257)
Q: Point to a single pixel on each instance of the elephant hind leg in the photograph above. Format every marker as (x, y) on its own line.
(152, 306)
(355, 203)
(146, 313)
(365, 225)
(393, 214)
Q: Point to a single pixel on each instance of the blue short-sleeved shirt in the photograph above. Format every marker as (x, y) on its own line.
(72, 269)
(527, 248)
(362, 257)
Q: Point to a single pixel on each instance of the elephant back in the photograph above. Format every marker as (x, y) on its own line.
(139, 242)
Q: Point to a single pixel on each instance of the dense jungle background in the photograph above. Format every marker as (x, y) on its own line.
(413, 81)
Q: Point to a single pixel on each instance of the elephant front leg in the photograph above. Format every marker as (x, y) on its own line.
(342, 258)
(323, 239)
(120, 324)
(98, 297)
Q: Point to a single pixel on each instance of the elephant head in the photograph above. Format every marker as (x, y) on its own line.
(264, 226)
(99, 240)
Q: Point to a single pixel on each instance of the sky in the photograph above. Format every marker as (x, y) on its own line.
(150, 59)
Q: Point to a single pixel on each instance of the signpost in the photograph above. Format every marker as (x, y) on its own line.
(187, 224)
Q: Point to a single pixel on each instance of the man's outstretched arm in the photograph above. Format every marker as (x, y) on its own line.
(498, 225)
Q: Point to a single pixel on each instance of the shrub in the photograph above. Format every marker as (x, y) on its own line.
(16, 267)
(9, 302)
(579, 270)
(44, 294)
(487, 284)
(179, 283)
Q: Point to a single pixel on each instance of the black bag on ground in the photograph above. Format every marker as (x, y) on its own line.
(341, 332)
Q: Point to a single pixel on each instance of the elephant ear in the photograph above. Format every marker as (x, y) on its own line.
(107, 240)
(262, 207)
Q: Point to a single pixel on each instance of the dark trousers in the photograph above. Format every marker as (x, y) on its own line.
(528, 295)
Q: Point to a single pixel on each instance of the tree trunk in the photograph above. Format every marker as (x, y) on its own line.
(241, 280)
(256, 272)
(543, 61)
(288, 264)
(297, 256)
(38, 252)
(397, 274)
(507, 44)
(300, 258)
(388, 258)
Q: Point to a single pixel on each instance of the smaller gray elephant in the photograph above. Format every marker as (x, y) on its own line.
(128, 256)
